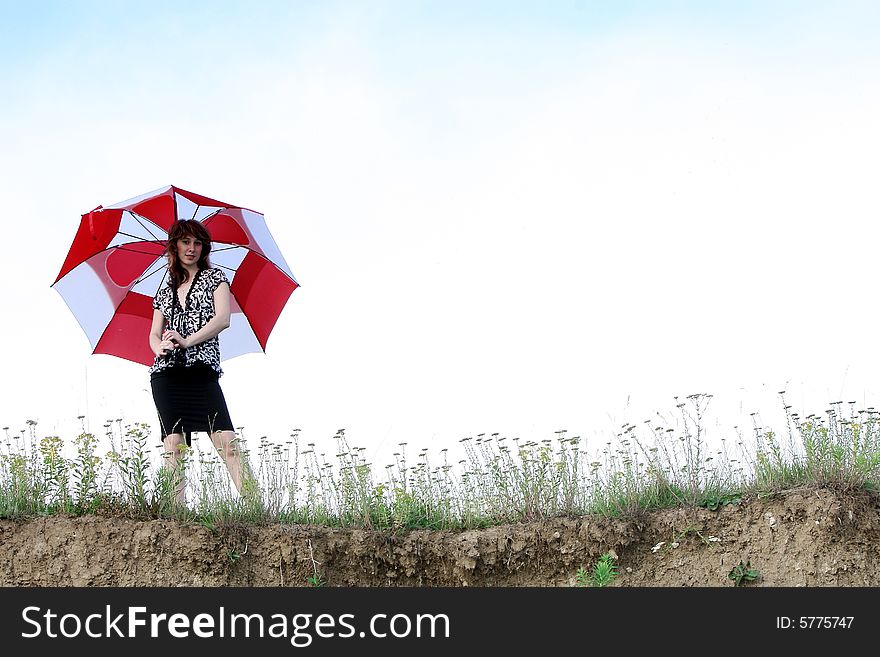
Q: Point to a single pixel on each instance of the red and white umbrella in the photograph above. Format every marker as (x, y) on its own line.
(116, 265)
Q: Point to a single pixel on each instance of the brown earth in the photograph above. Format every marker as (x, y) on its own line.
(804, 537)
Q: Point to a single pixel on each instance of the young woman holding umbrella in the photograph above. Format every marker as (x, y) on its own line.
(189, 314)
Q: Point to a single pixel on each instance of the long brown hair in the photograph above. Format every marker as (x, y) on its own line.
(180, 229)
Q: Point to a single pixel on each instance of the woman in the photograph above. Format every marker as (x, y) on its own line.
(188, 316)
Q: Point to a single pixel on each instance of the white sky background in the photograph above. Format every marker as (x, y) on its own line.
(513, 218)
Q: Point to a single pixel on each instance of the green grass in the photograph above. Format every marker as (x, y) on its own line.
(499, 480)
(603, 573)
(743, 573)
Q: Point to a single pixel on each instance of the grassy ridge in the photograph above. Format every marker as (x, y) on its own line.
(500, 480)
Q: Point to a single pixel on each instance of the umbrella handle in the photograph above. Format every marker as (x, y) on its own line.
(171, 354)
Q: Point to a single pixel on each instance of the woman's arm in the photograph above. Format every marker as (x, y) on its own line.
(158, 344)
(215, 325)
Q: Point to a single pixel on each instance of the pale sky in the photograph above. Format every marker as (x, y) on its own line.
(505, 217)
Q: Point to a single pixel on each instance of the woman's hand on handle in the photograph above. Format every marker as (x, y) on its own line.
(166, 347)
(175, 339)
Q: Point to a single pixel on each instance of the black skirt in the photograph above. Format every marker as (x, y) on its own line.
(190, 399)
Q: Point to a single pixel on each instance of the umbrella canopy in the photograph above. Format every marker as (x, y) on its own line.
(116, 265)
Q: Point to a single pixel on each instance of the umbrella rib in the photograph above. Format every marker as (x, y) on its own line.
(164, 275)
(139, 238)
(146, 276)
(208, 216)
(138, 218)
(123, 247)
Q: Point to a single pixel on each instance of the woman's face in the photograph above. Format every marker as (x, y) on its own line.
(189, 250)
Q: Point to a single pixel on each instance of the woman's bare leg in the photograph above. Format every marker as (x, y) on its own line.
(174, 444)
(226, 443)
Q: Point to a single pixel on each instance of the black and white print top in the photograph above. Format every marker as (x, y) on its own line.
(198, 311)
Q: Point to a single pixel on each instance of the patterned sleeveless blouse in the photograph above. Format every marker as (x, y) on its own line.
(198, 311)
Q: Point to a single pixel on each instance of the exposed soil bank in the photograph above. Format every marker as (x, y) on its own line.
(808, 537)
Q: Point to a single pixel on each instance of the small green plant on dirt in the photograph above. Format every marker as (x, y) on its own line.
(742, 573)
(715, 501)
(603, 573)
(315, 581)
(605, 570)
